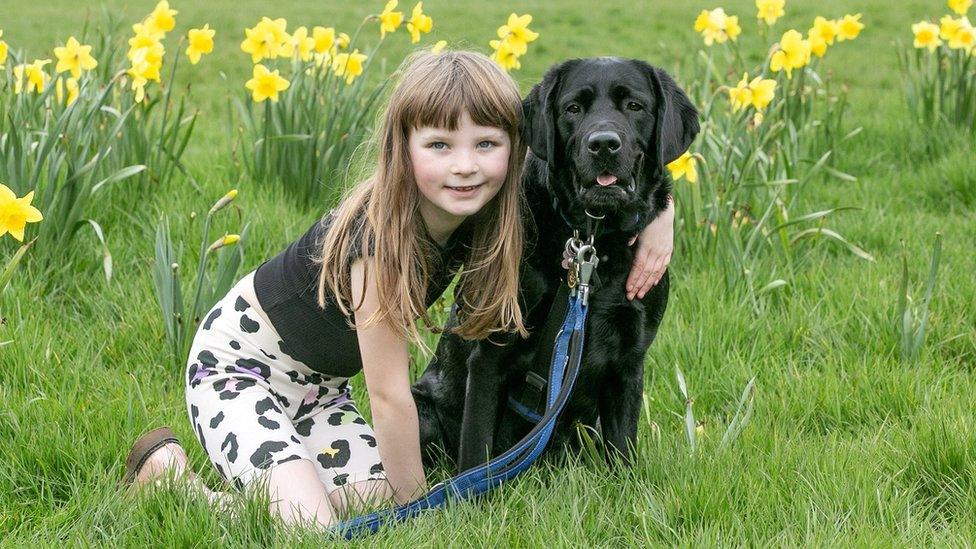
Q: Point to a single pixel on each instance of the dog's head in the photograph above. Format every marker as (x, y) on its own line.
(607, 127)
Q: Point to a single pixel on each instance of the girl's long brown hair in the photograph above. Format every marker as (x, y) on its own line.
(381, 215)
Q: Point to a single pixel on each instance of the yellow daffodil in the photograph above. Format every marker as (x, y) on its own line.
(849, 27)
(517, 34)
(822, 34)
(302, 44)
(16, 213)
(71, 84)
(143, 37)
(758, 93)
(162, 19)
(439, 46)
(265, 84)
(740, 96)
(818, 46)
(948, 26)
(390, 20)
(147, 62)
(964, 38)
(3, 50)
(827, 29)
(201, 42)
(684, 166)
(349, 65)
(74, 57)
(732, 28)
(763, 92)
(139, 87)
(267, 40)
(419, 23)
(33, 73)
(960, 6)
(505, 55)
(260, 44)
(717, 27)
(342, 40)
(926, 35)
(793, 52)
(325, 39)
(770, 10)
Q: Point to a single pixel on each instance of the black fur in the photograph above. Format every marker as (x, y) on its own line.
(586, 118)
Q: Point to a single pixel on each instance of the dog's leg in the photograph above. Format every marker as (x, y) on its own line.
(620, 402)
(482, 395)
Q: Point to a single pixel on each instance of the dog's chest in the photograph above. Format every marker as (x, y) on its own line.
(614, 329)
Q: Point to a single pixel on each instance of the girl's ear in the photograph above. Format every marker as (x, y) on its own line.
(538, 114)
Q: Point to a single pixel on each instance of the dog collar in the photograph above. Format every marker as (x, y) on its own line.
(636, 225)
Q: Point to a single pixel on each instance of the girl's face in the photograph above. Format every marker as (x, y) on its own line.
(457, 172)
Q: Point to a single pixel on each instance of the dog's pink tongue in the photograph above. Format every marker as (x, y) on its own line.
(606, 179)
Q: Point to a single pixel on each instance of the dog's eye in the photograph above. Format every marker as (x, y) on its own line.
(634, 106)
(573, 108)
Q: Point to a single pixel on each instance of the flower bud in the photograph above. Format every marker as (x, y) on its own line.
(226, 240)
(224, 200)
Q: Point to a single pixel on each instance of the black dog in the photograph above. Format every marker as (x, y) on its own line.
(600, 132)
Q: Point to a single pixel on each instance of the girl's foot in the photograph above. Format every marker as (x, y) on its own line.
(153, 455)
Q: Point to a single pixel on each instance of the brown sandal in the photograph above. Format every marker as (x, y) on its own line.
(144, 447)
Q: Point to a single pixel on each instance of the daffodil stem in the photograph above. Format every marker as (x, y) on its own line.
(201, 269)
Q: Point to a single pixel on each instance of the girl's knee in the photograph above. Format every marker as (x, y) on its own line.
(297, 495)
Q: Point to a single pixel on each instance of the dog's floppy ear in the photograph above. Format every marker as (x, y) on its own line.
(538, 116)
(676, 123)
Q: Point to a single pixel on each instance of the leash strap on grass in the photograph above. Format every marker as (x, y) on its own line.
(567, 355)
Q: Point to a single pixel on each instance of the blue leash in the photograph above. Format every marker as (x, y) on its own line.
(566, 358)
(562, 376)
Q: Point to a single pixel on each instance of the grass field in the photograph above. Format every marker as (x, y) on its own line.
(847, 445)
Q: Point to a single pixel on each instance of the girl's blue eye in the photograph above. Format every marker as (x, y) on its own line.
(489, 143)
(438, 145)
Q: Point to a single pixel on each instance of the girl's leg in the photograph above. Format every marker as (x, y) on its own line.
(345, 454)
(353, 499)
(296, 494)
(239, 401)
(250, 440)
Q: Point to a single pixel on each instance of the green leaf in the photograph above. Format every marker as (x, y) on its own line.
(106, 254)
(8, 270)
(808, 233)
(124, 173)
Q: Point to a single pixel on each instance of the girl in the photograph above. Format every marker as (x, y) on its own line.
(267, 379)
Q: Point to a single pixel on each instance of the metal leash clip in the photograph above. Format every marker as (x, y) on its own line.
(581, 265)
(585, 262)
(573, 244)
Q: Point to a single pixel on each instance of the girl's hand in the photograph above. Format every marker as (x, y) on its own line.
(654, 246)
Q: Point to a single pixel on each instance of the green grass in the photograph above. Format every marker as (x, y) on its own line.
(847, 445)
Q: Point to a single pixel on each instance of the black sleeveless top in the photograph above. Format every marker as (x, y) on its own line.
(287, 289)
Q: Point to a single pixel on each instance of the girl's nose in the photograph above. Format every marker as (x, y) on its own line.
(464, 167)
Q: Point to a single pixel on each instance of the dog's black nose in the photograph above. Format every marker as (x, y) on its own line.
(603, 142)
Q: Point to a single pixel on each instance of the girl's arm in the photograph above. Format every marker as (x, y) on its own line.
(654, 246)
(386, 367)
